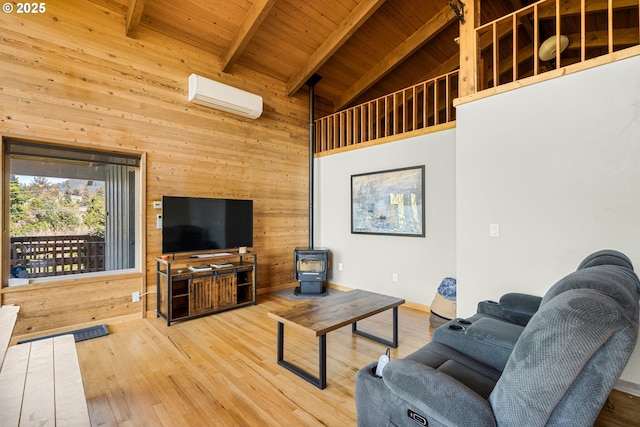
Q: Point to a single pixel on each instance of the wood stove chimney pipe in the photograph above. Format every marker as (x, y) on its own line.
(312, 138)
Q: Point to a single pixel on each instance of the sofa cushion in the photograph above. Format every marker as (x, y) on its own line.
(473, 374)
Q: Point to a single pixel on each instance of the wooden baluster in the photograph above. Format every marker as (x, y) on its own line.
(610, 25)
(583, 30)
(514, 56)
(536, 40)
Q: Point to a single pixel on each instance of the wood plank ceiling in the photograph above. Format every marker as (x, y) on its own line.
(362, 49)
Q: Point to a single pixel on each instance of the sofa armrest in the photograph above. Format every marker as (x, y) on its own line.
(435, 395)
(485, 339)
(513, 307)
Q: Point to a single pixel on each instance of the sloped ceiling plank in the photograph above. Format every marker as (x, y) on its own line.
(417, 39)
(526, 24)
(134, 15)
(247, 29)
(444, 68)
(350, 25)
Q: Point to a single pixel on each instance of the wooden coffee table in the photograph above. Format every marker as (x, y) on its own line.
(320, 316)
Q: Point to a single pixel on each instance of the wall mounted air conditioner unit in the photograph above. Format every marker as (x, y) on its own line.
(214, 94)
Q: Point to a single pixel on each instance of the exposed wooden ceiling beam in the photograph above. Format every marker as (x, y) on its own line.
(134, 15)
(413, 42)
(247, 29)
(340, 35)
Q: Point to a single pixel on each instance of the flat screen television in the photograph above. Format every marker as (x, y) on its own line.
(193, 224)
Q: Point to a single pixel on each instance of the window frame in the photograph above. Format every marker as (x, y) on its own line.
(139, 215)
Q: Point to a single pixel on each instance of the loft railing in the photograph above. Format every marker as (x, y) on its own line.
(524, 43)
(426, 104)
(516, 46)
(45, 256)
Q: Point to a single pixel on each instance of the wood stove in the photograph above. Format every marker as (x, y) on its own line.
(311, 267)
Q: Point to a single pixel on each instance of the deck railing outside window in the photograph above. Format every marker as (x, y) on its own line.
(526, 43)
(44, 256)
(426, 104)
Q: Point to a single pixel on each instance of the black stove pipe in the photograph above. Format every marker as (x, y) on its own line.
(312, 138)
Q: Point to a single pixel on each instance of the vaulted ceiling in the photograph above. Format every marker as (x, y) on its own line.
(361, 49)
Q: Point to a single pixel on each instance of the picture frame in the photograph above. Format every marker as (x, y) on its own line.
(389, 202)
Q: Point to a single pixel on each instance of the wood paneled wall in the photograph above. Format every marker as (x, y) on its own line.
(71, 76)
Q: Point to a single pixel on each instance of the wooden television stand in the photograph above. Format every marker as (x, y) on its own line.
(194, 285)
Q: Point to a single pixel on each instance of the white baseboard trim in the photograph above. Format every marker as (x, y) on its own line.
(627, 387)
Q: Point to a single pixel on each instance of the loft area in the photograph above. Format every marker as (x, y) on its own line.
(515, 50)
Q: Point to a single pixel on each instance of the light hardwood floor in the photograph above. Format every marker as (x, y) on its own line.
(221, 370)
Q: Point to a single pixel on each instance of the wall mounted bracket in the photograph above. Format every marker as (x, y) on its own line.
(458, 9)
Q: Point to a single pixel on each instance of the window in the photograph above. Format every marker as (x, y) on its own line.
(71, 211)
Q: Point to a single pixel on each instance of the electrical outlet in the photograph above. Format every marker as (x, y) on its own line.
(135, 296)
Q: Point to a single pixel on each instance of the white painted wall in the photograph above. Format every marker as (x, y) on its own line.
(557, 166)
(369, 261)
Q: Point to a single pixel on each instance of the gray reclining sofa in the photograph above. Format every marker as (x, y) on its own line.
(522, 361)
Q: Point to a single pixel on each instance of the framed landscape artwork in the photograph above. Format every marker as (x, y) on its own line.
(388, 202)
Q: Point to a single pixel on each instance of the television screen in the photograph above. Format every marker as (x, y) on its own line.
(191, 224)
